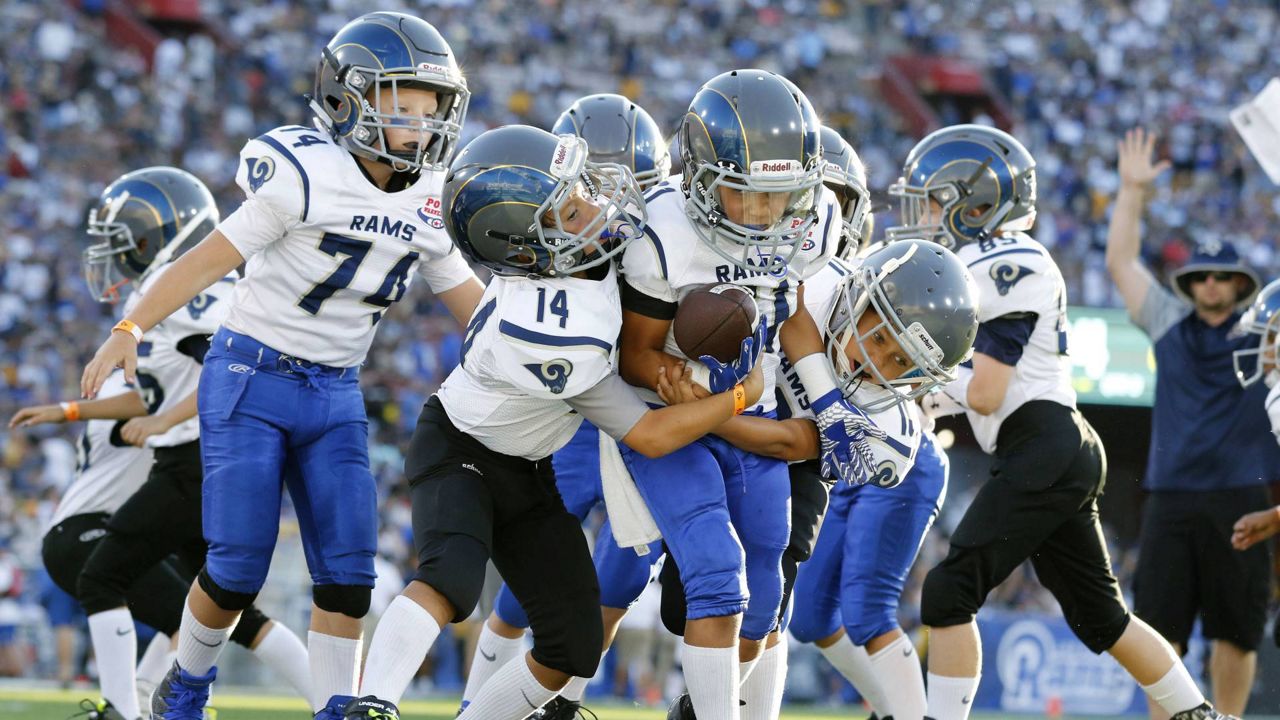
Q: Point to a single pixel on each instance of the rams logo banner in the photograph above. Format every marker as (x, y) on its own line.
(259, 171)
(553, 373)
(1006, 275)
(199, 304)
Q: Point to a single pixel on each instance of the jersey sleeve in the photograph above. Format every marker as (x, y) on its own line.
(611, 405)
(276, 190)
(553, 367)
(646, 278)
(1160, 311)
(446, 273)
(1015, 283)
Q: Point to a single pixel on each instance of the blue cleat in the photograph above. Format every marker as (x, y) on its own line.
(181, 696)
(335, 709)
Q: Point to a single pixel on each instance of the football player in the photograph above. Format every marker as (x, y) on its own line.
(338, 217)
(142, 223)
(749, 209)
(617, 131)
(888, 345)
(973, 187)
(537, 358)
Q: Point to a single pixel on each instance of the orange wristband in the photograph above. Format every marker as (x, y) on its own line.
(130, 327)
(739, 399)
(71, 410)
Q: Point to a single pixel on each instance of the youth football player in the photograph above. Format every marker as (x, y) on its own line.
(337, 218)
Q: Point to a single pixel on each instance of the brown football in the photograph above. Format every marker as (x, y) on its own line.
(713, 320)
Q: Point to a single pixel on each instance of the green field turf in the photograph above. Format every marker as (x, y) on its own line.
(60, 704)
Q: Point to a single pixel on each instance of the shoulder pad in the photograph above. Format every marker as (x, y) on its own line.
(274, 168)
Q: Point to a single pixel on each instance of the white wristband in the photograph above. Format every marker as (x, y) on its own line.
(815, 374)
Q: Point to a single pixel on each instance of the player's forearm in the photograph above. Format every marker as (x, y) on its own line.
(463, 299)
(791, 440)
(1123, 236)
(181, 412)
(667, 429)
(118, 407)
(197, 269)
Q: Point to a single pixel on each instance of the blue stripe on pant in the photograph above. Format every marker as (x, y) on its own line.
(869, 539)
(724, 514)
(269, 423)
(621, 572)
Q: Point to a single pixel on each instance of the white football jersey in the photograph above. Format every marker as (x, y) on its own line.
(895, 454)
(165, 374)
(327, 251)
(532, 344)
(108, 470)
(1015, 274)
(670, 261)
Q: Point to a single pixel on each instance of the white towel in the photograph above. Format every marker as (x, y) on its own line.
(633, 526)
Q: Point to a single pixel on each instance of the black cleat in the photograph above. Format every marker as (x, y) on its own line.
(1203, 712)
(560, 709)
(371, 708)
(681, 709)
(100, 710)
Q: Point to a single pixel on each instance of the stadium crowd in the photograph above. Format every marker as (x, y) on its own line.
(77, 109)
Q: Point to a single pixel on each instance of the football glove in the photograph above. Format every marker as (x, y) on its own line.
(724, 376)
(843, 433)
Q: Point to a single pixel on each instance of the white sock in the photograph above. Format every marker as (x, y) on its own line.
(951, 698)
(198, 645)
(335, 667)
(853, 663)
(155, 661)
(115, 645)
(400, 643)
(511, 694)
(897, 668)
(1176, 691)
(576, 689)
(492, 652)
(745, 668)
(762, 690)
(711, 674)
(283, 651)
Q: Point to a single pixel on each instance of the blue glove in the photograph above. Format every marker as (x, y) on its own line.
(725, 376)
(843, 434)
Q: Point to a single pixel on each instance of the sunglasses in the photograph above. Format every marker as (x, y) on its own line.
(1218, 276)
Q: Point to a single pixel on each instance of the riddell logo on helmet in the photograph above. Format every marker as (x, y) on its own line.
(775, 167)
(430, 67)
(563, 159)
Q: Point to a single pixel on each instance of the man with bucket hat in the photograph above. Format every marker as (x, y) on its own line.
(1212, 455)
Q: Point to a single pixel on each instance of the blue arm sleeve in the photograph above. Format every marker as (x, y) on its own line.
(1005, 337)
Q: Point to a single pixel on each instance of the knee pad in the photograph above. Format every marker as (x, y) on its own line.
(714, 573)
(872, 623)
(223, 598)
(454, 567)
(251, 623)
(1100, 635)
(98, 593)
(944, 601)
(572, 640)
(350, 600)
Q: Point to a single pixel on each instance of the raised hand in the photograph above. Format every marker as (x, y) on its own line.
(844, 432)
(725, 375)
(1134, 164)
